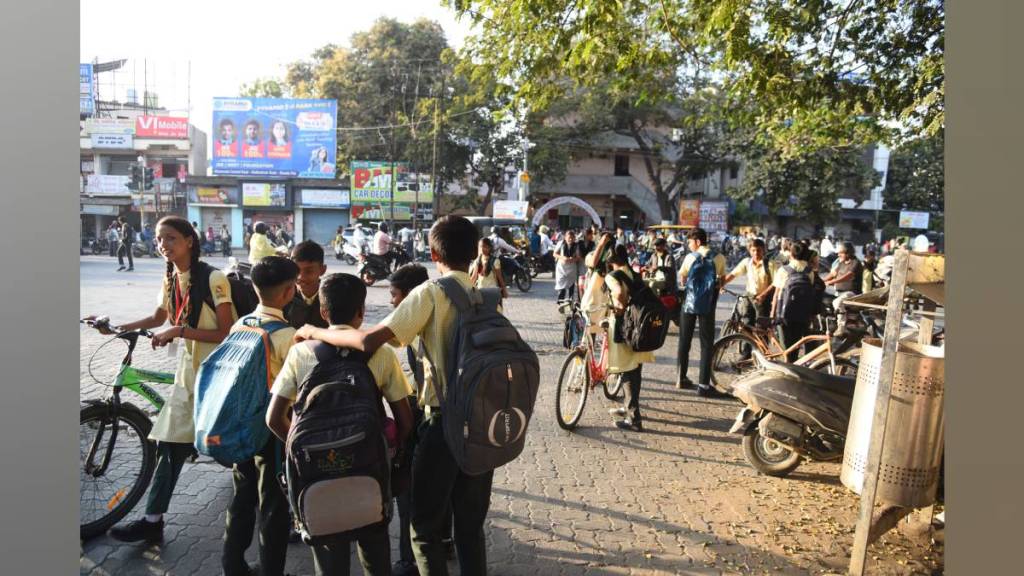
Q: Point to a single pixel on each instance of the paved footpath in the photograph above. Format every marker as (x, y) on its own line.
(678, 498)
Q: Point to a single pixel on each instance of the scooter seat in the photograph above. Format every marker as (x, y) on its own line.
(842, 385)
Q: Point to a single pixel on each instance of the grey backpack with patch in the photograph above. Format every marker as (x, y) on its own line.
(492, 382)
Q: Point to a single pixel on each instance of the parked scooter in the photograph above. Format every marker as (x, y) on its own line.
(791, 413)
(347, 252)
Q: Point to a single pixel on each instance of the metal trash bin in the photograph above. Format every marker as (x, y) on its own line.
(912, 453)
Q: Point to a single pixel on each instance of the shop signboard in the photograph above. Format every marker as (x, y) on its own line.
(264, 194)
(111, 141)
(274, 137)
(161, 127)
(689, 213)
(86, 102)
(371, 183)
(511, 209)
(108, 126)
(324, 198)
(213, 195)
(106, 185)
(914, 220)
(714, 217)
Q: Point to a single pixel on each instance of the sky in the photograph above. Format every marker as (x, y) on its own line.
(190, 51)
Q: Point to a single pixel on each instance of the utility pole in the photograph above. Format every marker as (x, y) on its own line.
(438, 111)
(142, 189)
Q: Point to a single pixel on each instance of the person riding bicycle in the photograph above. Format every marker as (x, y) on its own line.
(201, 314)
(847, 278)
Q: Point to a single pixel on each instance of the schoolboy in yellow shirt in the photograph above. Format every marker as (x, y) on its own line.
(343, 305)
(436, 478)
(255, 481)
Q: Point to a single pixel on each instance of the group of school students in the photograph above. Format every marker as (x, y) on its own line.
(605, 292)
(441, 500)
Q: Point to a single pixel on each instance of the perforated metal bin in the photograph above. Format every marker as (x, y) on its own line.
(912, 452)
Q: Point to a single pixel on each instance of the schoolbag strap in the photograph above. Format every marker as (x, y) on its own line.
(455, 292)
(326, 353)
(491, 298)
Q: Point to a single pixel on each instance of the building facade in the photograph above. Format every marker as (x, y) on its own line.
(110, 146)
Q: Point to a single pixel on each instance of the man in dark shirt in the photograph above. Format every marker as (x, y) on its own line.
(127, 238)
(305, 307)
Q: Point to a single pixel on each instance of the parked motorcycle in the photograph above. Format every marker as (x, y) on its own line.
(99, 246)
(791, 413)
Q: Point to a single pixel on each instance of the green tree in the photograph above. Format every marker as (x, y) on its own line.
(264, 88)
(809, 184)
(806, 75)
(917, 179)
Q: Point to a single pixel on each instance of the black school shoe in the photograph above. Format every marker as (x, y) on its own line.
(627, 424)
(684, 383)
(705, 391)
(138, 531)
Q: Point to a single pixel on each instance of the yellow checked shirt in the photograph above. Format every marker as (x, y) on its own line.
(757, 279)
(426, 312)
(383, 365)
(174, 423)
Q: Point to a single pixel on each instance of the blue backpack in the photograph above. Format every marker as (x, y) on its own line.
(233, 392)
(701, 285)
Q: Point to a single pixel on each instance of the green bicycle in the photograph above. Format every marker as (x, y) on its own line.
(117, 457)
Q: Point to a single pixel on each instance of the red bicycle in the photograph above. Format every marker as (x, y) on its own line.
(584, 367)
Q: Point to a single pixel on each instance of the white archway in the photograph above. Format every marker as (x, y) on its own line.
(558, 201)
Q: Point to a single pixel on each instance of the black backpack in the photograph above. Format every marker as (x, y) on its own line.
(243, 295)
(492, 382)
(646, 320)
(799, 297)
(337, 470)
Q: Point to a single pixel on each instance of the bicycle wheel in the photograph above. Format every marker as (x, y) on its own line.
(107, 498)
(844, 366)
(573, 386)
(612, 386)
(731, 358)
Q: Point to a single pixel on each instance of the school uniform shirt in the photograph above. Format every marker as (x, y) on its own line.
(174, 423)
(487, 280)
(383, 365)
(621, 356)
(757, 279)
(426, 312)
(280, 341)
(781, 274)
(690, 258)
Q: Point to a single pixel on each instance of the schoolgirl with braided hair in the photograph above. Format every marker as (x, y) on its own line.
(196, 300)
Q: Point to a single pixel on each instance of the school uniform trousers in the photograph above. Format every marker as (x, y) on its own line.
(256, 487)
(438, 485)
(705, 325)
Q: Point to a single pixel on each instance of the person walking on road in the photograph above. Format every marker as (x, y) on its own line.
(566, 269)
(127, 234)
(113, 237)
(701, 273)
(622, 359)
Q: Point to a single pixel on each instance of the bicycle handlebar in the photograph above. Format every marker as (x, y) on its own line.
(104, 322)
